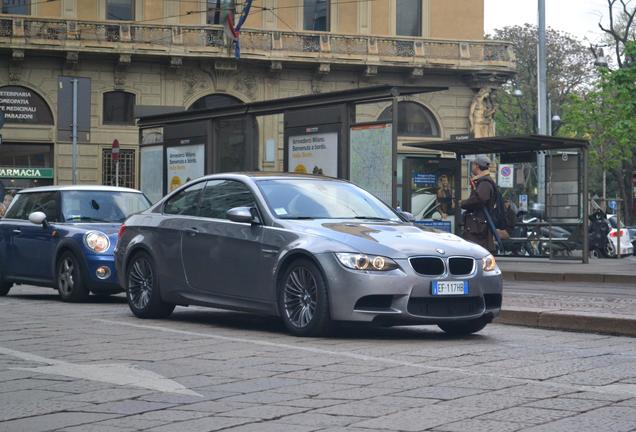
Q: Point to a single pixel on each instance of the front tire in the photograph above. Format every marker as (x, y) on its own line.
(303, 301)
(464, 328)
(142, 289)
(70, 282)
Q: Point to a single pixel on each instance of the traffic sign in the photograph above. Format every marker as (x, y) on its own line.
(115, 151)
(612, 204)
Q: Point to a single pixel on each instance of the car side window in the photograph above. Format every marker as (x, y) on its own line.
(45, 202)
(220, 196)
(185, 202)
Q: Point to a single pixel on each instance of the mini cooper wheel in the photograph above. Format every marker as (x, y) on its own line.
(142, 289)
(302, 300)
(70, 282)
(464, 328)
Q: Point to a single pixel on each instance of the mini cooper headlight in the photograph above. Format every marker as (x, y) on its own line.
(366, 262)
(97, 241)
(489, 264)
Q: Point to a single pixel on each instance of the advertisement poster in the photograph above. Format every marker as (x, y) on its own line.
(151, 178)
(314, 154)
(184, 163)
(505, 177)
(371, 159)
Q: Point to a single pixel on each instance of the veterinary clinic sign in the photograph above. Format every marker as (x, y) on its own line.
(26, 173)
(23, 105)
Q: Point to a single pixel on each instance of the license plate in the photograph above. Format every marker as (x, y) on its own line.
(441, 288)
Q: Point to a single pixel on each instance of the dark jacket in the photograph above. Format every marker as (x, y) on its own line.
(476, 227)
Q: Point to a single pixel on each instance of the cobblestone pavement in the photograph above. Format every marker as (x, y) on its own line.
(573, 297)
(94, 367)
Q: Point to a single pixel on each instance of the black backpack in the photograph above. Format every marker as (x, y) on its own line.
(498, 213)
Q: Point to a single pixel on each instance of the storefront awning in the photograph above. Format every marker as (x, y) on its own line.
(510, 144)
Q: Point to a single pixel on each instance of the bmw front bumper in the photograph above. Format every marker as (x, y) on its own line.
(403, 296)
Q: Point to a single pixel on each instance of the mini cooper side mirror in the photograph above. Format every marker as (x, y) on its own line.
(38, 218)
(242, 215)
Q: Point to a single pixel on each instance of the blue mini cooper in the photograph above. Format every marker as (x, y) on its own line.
(64, 237)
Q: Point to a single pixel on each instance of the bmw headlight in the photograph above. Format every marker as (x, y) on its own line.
(366, 262)
(489, 264)
(96, 241)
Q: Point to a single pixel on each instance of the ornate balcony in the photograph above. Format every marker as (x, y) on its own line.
(27, 33)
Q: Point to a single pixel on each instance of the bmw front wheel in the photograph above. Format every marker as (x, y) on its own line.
(303, 300)
(464, 328)
(142, 289)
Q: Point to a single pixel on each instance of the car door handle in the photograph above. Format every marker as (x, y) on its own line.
(192, 231)
(17, 231)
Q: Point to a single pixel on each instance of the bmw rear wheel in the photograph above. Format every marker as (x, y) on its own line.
(142, 289)
(70, 282)
(303, 300)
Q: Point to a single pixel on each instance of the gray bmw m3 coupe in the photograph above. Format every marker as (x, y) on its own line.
(311, 250)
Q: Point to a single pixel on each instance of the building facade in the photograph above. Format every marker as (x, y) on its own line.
(136, 57)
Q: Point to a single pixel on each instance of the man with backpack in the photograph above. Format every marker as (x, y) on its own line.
(481, 217)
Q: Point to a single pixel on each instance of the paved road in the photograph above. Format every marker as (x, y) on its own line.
(93, 367)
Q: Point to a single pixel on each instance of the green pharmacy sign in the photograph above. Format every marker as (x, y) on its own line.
(26, 173)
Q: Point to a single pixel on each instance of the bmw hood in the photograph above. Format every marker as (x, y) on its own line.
(392, 239)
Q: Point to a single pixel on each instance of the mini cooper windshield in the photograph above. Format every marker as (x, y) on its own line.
(101, 206)
(322, 199)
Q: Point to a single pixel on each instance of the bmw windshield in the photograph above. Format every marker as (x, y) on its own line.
(322, 199)
(101, 206)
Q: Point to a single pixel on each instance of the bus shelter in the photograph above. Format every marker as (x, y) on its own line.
(550, 203)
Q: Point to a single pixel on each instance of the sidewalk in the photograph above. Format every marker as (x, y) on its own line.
(578, 306)
(599, 270)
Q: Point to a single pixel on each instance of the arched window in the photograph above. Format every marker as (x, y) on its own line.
(119, 108)
(413, 120)
(216, 100)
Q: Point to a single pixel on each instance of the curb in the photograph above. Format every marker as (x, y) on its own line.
(620, 325)
(567, 277)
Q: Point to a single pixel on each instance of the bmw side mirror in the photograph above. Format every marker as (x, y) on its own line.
(38, 218)
(242, 215)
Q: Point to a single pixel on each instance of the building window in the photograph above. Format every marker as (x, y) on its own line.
(126, 168)
(413, 120)
(120, 10)
(16, 7)
(409, 18)
(213, 11)
(216, 100)
(316, 15)
(119, 108)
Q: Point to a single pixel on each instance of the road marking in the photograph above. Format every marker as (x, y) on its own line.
(622, 390)
(113, 373)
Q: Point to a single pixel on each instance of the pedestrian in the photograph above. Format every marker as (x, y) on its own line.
(510, 220)
(482, 196)
(4, 205)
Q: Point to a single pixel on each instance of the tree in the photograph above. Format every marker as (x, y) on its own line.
(570, 70)
(606, 115)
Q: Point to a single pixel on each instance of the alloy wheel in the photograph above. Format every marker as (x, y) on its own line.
(300, 297)
(140, 282)
(65, 279)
